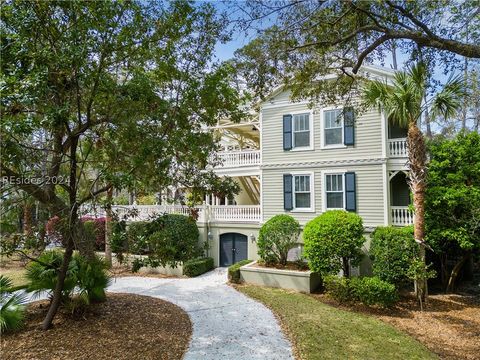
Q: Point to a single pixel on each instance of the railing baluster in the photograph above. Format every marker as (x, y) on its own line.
(397, 147)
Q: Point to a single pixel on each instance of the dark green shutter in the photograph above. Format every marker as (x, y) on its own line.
(349, 126)
(287, 132)
(350, 192)
(287, 192)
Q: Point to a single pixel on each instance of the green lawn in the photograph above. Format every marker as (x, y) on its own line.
(322, 332)
(16, 275)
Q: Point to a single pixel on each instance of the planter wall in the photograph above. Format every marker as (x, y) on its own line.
(301, 281)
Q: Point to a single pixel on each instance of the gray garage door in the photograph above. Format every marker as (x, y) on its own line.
(233, 248)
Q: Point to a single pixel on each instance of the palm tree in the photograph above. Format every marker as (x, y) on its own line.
(403, 104)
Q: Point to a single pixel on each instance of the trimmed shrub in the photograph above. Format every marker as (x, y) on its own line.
(374, 291)
(338, 288)
(234, 271)
(367, 290)
(332, 242)
(12, 306)
(172, 239)
(199, 266)
(277, 236)
(392, 251)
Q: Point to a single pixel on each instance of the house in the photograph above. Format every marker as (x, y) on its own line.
(303, 161)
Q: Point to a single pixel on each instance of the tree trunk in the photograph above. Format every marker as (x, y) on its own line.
(394, 54)
(427, 121)
(455, 271)
(346, 267)
(108, 228)
(416, 163)
(57, 294)
(27, 218)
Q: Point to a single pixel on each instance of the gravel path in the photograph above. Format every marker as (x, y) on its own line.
(226, 324)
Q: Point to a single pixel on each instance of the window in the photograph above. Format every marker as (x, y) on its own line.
(302, 192)
(334, 191)
(301, 130)
(333, 127)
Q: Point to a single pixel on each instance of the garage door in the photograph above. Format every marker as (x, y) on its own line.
(233, 248)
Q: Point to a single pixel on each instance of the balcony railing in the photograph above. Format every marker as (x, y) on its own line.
(401, 216)
(397, 148)
(233, 159)
(145, 212)
(235, 213)
(217, 213)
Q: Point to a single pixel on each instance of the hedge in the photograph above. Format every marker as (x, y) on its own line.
(199, 266)
(367, 290)
(234, 271)
(392, 250)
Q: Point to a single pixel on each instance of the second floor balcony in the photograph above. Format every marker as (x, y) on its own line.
(397, 148)
(238, 159)
(204, 213)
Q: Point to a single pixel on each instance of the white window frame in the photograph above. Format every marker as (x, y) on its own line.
(322, 123)
(310, 126)
(324, 187)
(312, 191)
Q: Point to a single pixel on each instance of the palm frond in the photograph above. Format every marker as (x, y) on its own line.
(12, 306)
(448, 100)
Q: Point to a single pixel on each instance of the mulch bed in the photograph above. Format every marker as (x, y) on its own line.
(449, 327)
(124, 327)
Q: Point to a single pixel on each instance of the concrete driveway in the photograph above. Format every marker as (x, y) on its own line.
(226, 324)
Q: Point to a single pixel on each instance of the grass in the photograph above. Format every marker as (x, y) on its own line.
(15, 270)
(320, 331)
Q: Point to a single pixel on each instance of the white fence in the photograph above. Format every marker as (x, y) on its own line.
(233, 159)
(401, 216)
(397, 147)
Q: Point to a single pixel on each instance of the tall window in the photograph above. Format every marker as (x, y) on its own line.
(333, 127)
(301, 130)
(302, 195)
(334, 191)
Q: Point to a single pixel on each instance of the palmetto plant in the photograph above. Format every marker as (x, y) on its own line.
(12, 306)
(91, 278)
(403, 102)
(43, 274)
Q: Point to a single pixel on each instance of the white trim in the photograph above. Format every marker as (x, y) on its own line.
(279, 104)
(324, 163)
(383, 120)
(324, 187)
(260, 119)
(386, 195)
(311, 127)
(312, 192)
(322, 129)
